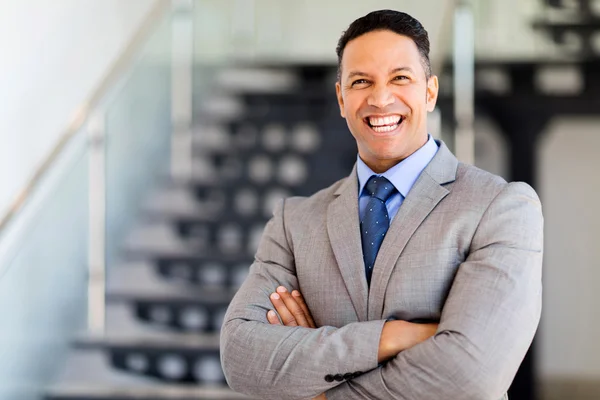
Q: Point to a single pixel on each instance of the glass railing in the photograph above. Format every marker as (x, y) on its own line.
(138, 134)
(45, 249)
(43, 281)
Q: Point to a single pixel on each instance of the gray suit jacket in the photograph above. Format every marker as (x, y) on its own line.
(465, 249)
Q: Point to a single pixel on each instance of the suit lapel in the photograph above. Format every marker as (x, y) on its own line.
(344, 234)
(426, 193)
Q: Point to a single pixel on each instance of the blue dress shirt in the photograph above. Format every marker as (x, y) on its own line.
(402, 175)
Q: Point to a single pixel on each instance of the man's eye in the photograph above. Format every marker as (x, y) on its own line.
(401, 78)
(359, 82)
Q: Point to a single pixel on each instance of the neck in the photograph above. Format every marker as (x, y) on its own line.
(379, 166)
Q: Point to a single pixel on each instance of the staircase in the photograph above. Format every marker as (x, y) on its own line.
(197, 237)
(574, 26)
(192, 249)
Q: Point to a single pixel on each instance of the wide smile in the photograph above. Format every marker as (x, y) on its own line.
(384, 125)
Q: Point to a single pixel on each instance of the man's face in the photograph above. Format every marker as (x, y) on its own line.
(384, 95)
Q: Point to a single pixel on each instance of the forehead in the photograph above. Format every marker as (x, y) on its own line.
(380, 50)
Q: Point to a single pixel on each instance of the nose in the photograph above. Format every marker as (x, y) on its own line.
(380, 97)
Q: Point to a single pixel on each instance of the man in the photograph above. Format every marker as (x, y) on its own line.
(440, 303)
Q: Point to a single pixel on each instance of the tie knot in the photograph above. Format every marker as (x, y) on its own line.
(380, 187)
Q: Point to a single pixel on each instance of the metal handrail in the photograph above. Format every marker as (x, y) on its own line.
(83, 111)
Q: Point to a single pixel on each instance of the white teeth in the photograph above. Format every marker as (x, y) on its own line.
(383, 129)
(391, 120)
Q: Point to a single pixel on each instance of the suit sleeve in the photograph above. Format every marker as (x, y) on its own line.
(488, 321)
(279, 362)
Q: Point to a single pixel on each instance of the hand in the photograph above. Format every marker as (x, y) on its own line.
(293, 312)
(399, 335)
(418, 333)
(292, 309)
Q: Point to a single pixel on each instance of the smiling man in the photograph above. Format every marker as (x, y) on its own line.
(416, 277)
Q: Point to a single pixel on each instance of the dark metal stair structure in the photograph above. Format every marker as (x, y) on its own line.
(173, 351)
(579, 22)
(172, 357)
(185, 310)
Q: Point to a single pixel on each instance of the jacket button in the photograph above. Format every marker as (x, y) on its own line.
(338, 377)
(329, 378)
(348, 376)
(357, 374)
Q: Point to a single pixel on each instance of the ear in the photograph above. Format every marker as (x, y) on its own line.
(340, 99)
(432, 92)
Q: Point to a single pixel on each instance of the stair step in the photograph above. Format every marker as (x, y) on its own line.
(225, 191)
(286, 171)
(587, 25)
(196, 268)
(256, 79)
(186, 255)
(154, 341)
(168, 357)
(270, 136)
(177, 295)
(181, 274)
(210, 219)
(149, 392)
(242, 233)
(277, 106)
(311, 96)
(180, 309)
(261, 113)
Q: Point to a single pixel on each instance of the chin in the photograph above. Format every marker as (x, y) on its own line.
(388, 152)
(387, 155)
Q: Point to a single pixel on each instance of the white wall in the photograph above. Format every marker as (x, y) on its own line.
(53, 53)
(569, 185)
(308, 30)
(286, 30)
(504, 30)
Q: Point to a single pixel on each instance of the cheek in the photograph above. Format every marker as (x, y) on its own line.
(415, 97)
(352, 104)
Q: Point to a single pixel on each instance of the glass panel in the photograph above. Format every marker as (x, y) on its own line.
(44, 252)
(138, 131)
(43, 285)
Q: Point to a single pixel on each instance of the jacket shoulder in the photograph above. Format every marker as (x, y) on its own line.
(306, 206)
(478, 183)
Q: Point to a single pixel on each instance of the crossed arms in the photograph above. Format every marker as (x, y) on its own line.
(486, 326)
(396, 336)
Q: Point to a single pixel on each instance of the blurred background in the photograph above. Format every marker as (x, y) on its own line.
(143, 143)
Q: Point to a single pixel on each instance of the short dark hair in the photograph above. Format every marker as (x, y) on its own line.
(395, 21)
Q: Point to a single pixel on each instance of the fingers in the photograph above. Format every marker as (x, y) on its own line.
(292, 308)
(286, 316)
(272, 318)
(300, 300)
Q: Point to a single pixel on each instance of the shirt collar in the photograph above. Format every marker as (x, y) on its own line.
(404, 174)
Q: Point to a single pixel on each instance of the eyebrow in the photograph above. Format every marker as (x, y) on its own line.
(352, 74)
